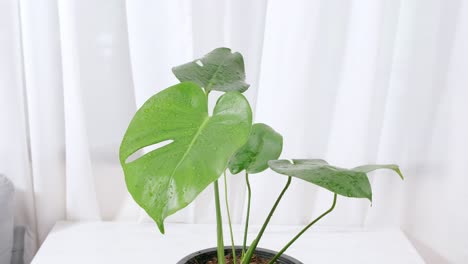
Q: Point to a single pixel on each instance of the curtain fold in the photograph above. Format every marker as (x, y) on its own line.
(349, 81)
(15, 153)
(43, 94)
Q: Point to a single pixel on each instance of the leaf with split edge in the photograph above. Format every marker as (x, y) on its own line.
(264, 144)
(346, 182)
(168, 178)
(218, 70)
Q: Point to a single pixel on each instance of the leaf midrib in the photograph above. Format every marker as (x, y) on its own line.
(192, 142)
(208, 86)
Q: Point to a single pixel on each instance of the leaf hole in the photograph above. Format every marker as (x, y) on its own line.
(199, 62)
(145, 150)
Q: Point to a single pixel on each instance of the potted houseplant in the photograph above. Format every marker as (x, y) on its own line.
(192, 149)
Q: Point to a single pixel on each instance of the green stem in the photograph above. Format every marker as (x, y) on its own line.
(253, 246)
(302, 231)
(219, 225)
(229, 219)
(249, 194)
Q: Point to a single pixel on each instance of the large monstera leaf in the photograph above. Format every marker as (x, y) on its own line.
(168, 178)
(218, 70)
(264, 144)
(346, 182)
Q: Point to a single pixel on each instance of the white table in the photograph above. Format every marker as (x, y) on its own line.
(113, 242)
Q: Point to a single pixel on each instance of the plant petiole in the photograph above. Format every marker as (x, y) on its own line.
(253, 246)
(229, 219)
(219, 225)
(302, 231)
(249, 194)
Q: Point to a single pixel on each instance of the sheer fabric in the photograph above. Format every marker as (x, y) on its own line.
(349, 81)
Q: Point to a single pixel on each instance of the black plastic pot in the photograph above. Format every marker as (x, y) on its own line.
(203, 256)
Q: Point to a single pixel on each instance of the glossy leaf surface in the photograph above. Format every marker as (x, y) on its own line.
(346, 182)
(264, 144)
(219, 70)
(168, 178)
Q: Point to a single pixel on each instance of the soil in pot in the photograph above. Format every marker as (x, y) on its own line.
(230, 260)
(261, 256)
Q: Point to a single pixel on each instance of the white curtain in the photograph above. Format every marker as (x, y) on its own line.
(368, 81)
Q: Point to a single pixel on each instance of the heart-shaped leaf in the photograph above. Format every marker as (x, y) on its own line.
(168, 178)
(264, 144)
(346, 182)
(218, 70)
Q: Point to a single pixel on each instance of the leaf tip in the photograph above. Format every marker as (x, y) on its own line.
(160, 227)
(245, 88)
(369, 197)
(398, 171)
(176, 74)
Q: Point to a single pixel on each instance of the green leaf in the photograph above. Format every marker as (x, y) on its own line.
(372, 167)
(346, 182)
(218, 70)
(264, 144)
(168, 178)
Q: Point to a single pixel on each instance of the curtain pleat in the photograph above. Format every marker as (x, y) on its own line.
(43, 92)
(15, 154)
(80, 189)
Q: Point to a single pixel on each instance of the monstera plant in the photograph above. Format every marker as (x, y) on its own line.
(192, 149)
